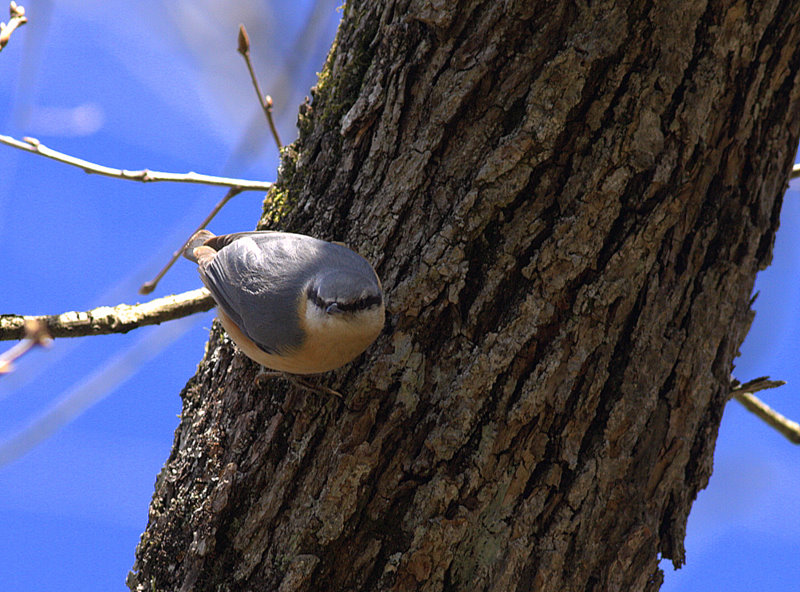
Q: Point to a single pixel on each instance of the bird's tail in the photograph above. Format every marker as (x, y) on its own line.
(198, 240)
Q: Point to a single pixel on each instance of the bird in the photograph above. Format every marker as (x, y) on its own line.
(290, 302)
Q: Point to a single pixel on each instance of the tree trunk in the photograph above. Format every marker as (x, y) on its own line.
(567, 204)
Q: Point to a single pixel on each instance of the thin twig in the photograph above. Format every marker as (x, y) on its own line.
(273, 129)
(744, 394)
(144, 175)
(107, 319)
(264, 100)
(148, 287)
(17, 19)
(35, 335)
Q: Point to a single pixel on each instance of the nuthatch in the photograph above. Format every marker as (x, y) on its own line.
(291, 302)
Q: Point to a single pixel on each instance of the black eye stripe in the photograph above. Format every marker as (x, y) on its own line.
(360, 304)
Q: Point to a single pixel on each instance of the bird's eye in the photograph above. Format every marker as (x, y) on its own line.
(332, 308)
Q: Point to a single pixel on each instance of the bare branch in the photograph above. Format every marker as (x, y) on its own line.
(35, 335)
(744, 394)
(18, 19)
(148, 287)
(91, 389)
(264, 100)
(106, 319)
(144, 175)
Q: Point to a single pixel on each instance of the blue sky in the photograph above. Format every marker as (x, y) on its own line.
(160, 85)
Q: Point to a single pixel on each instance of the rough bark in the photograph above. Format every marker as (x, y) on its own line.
(567, 204)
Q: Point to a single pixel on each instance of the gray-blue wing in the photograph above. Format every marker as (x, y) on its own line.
(258, 279)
